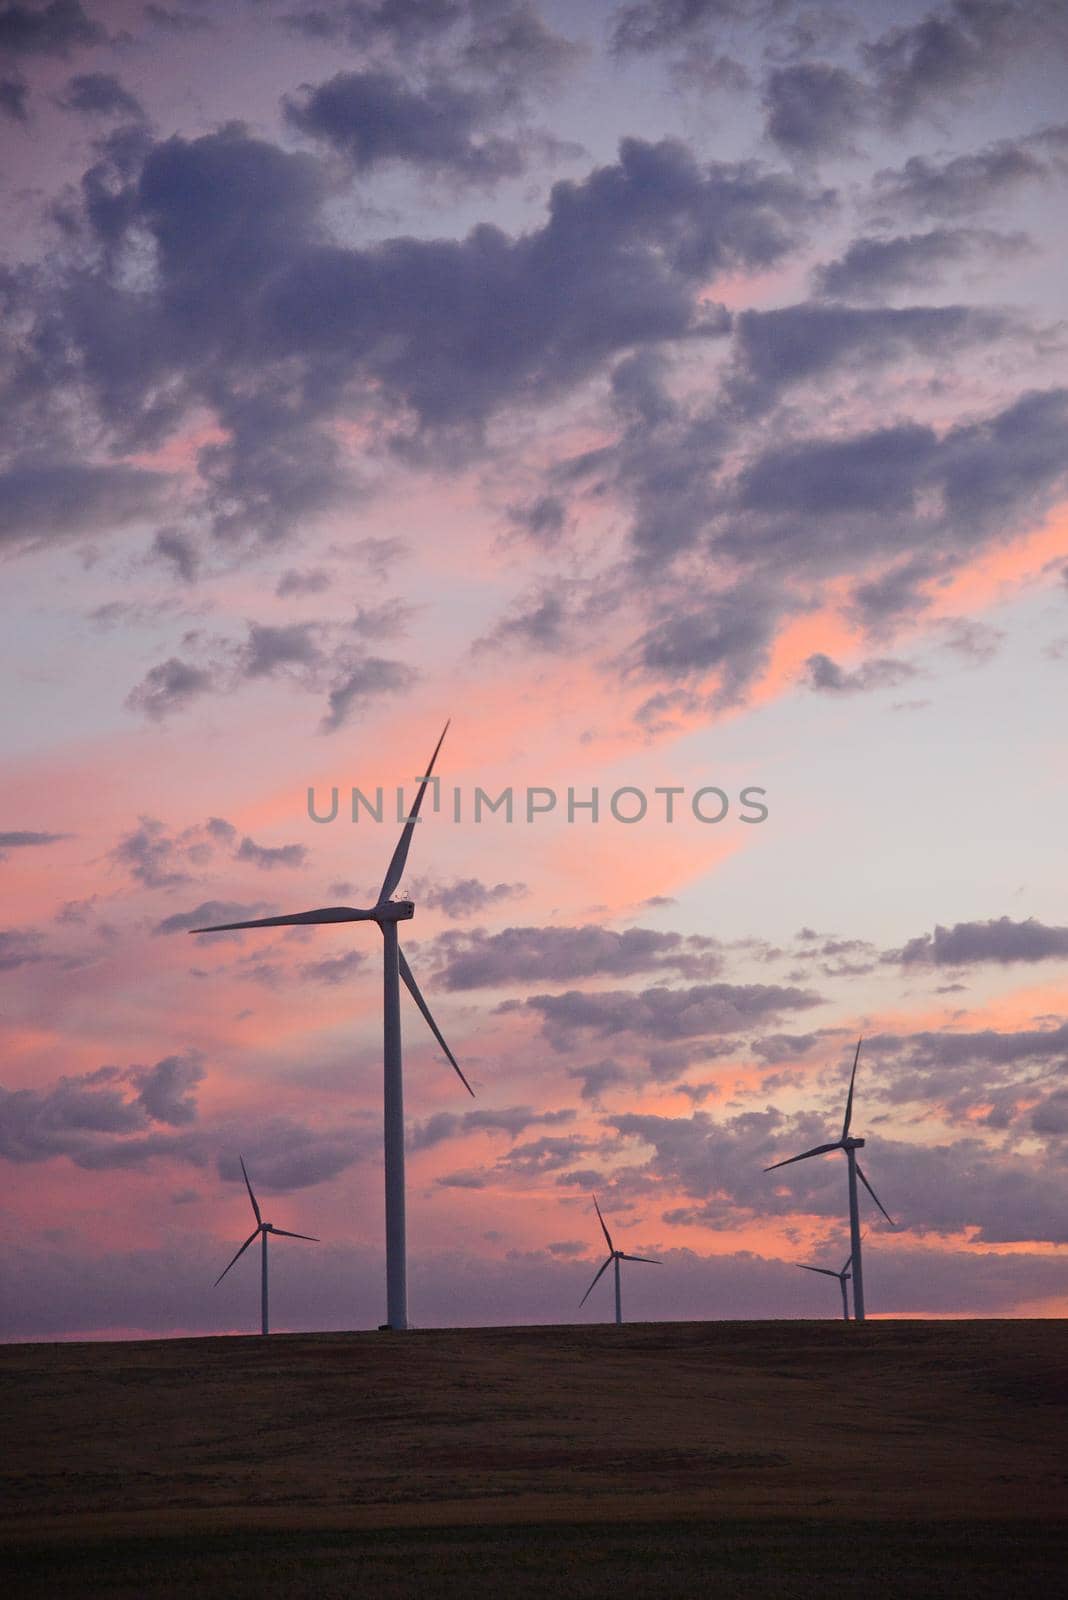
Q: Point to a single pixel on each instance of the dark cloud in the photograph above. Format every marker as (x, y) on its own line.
(1051, 1114)
(179, 550)
(293, 583)
(541, 520)
(267, 857)
(360, 684)
(159, 859)
(977, 478)
(465, 897)
(247, 311)
(166, 1090)
(922, 65)
(650, 25)
(538, 620)
(512, 46)
(962, 185)
(665, 1014)
(101, 94)
(941, 1189)
(374, 117)
(880, 602)
(53, 499)
(814, 108)
(871, 267)
(774, 349)
(317, 657)
(730, 632)
(333, 969)
(117, 1118)
(38, 1124)
(19, 947)
(512, 1120)
(207, 913)
(26, 839)
(174, 20)
(999, 940)
(80, 1116)
(14, 93)
(785, 1046)
(598, 1076)
(540, 1156)
(271, 648)
(404, 22)
(826, 676)
(54, 28)
(151, 855)
(169, 687)
(973, 642)
(482, 960)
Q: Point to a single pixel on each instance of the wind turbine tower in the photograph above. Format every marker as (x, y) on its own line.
(261, 1231)
(387, 914)
(850, 1145)
(614, 1258)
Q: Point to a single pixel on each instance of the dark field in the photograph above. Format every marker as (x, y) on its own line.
(784, 1458)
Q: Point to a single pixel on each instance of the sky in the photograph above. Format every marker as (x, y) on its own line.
(670, 393)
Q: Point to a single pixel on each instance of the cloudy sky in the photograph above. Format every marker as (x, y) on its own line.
(673, 395)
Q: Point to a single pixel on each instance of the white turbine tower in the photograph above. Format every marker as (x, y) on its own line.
(387, 913)
(614, 1258)
(850, 1146)
(261, 1232)
(843, 1279)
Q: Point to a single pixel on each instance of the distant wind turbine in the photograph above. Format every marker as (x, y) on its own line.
(387, 913)
(262, 1230)
(850, 1146)
(614, 1258)
(843, 1278)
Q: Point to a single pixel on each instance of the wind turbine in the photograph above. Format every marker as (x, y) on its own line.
(614, 1258)
(262, 1230)
(387, 913)
(843, 1278)
(850, 1146)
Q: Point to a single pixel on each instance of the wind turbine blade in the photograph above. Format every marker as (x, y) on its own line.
(593, 1285)
(248, 1186)
(875, 1197)
(285, 1233)
(848, 1263)
(820, 1150)
(413, 990)
(826, 1271)
(400, 854)
(604, 1225)
(648, 1259)
(240, 1253)
(849, 1101)
(298, 919)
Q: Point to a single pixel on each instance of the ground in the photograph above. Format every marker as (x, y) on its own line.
(775, 1458)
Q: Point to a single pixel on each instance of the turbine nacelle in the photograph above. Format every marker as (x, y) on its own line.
(393, 911)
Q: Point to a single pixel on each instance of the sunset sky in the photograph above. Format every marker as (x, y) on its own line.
(672, 393)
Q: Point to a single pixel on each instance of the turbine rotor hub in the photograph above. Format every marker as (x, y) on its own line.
(852, 1144)
(394, 911)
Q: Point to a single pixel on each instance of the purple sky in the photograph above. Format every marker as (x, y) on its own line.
(673, 395)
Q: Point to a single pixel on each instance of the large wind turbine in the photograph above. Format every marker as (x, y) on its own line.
(850, 1146)
(387, 913)
(614, 1258)
(843, 1279)
(262, 1230)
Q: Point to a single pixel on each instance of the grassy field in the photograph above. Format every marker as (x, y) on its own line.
(663, 1459)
